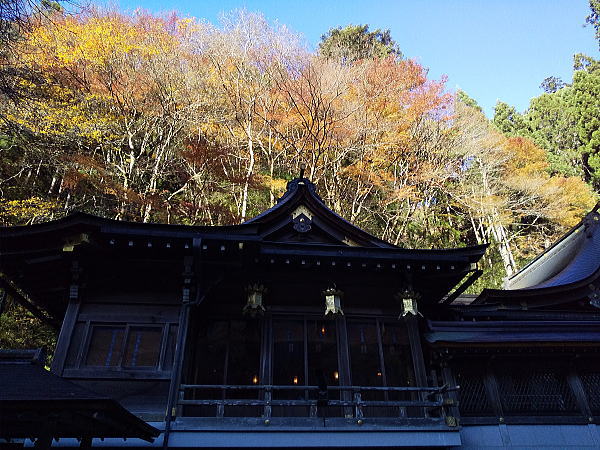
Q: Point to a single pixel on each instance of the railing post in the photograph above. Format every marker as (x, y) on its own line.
(358, 405)
(402, 412)
(451, 411)
(179, 406)
(424, 396)
(268, 398)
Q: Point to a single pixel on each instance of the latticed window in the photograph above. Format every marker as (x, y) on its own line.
(523, 387)
(470, 376)
(533, 387)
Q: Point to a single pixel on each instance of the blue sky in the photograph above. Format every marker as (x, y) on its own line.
(492, 49)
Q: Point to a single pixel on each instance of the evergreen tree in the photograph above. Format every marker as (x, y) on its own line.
(463, 97)
(508, 120)
(356, 42)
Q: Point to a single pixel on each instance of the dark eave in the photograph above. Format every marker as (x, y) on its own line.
(505, 331)
(459, 255)
(37, 260)
(82, 220)
(336, 232)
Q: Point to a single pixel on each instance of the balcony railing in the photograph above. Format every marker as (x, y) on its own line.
(409, 403)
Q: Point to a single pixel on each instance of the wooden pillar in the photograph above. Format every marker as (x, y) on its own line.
(416, 350)
(70, 320)
(265, 371)
(414, 337)
(191, 278)
(344, 363)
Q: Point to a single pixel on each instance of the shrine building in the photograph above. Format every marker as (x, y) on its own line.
(296, 329)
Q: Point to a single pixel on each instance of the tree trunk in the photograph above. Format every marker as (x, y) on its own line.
(508, 260)
(248, 176)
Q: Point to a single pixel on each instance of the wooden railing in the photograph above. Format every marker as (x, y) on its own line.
(423, 402)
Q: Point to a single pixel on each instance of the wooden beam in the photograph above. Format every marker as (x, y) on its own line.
(26, 301)
(463, 287)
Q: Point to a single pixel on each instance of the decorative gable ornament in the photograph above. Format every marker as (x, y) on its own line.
(302, 224)
(333, 301)
(408, 299)
(254, 305)
(302, 219)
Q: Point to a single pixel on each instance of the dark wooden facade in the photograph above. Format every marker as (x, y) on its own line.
(167, 320)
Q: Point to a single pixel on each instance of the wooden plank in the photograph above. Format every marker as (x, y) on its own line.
(129, 313)
(134, 297)
(64, 338)
(105, 373)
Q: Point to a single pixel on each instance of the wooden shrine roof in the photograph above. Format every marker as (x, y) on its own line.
(35, 403)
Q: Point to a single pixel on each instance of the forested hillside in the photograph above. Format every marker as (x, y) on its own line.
(175, 120)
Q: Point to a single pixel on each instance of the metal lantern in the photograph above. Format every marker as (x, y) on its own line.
(333, 301)
(409, 305)
(254, 305)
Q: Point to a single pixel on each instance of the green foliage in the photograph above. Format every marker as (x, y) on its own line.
(34, 209)
(19, 329)
(594, 18)
(585, 103)
(564, 120)
(493, 273)
(508, 120)
(462, 96)
(582, 61)
(356, 42)
(552, 84)
(551, 124)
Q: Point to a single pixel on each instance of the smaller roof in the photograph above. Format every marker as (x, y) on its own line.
(35, 403)
(573, 257)
(558, 274)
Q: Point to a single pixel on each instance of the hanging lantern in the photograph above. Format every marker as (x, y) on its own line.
(333, 301)
(409, 305)
(254, 305)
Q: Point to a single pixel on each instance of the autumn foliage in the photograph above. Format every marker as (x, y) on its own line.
(169, 119)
